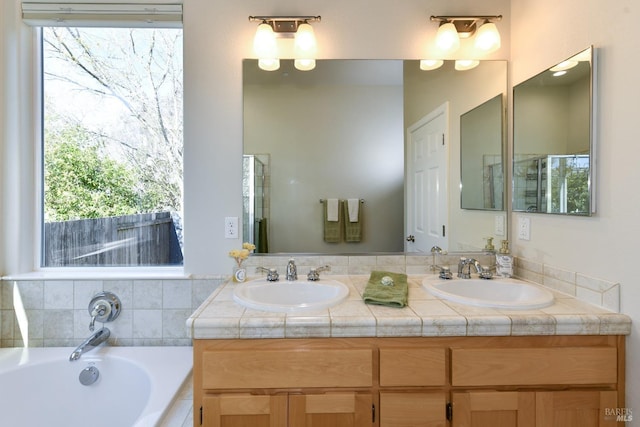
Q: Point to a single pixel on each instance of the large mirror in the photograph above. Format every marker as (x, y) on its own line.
(553, 141)
(340, 132)
(481, 156)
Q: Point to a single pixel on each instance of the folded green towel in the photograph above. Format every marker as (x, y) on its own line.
(332, 229)
(395, 295)
(352, 230)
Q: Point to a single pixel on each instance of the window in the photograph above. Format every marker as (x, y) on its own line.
(112, 146)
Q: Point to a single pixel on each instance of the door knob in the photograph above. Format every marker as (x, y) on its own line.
(411, 238)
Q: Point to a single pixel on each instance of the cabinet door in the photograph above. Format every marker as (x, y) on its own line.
(330, 410)
(494, 409)
(576, 409)
(413, 409)
(244, 410)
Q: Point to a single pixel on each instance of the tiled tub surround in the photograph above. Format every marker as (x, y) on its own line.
(425, 316)
(154, 311)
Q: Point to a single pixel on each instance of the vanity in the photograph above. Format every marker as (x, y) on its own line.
(432, 363)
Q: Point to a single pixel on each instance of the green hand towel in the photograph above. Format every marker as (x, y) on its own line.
(332, 229)
(352, 230)
(395, 295)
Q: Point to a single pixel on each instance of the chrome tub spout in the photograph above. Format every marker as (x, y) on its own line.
(90, 343)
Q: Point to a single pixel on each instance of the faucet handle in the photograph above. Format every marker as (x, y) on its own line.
(445, 273)
(272, 273)
(485, 272)
(314, 273)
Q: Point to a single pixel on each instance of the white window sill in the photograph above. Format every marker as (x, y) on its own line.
(98, 273)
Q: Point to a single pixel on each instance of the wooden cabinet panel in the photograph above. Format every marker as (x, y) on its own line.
(413, 409)
(575, 409)
(239, 410)
(493, 409)
(533, 366)
(240, 369)
(330, 410)
(412, 367)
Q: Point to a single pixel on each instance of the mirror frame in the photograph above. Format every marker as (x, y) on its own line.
(593, 102)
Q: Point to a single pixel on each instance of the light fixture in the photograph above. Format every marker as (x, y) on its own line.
(466, 64)
(271, 28)
(430, 64)
(454, 28)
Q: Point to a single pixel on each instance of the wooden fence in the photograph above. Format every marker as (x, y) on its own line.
(130, 240)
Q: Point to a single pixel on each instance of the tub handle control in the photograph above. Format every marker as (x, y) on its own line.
(104, 307)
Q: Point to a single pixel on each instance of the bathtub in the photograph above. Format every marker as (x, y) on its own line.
(134, 387)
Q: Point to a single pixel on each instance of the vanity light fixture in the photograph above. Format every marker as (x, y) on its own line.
(271, 28)
(454, 28)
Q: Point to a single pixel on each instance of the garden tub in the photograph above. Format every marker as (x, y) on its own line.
(124, 386)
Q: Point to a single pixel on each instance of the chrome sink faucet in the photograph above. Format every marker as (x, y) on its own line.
(292, 270)
(466, 263)
(90, 343)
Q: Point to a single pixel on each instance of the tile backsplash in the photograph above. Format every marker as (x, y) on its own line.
(154, 312)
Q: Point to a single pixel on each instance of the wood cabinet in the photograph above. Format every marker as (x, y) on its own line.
(409, 382)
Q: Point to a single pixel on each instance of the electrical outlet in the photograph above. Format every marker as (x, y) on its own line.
(231, 227)
(498, 226)
(524, 228)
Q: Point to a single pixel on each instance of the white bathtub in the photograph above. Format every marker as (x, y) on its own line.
(136, 385)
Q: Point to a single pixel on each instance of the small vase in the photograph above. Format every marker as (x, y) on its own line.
(239, 274)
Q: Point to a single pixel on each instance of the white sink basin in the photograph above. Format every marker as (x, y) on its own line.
(290, 296)
(496, 293)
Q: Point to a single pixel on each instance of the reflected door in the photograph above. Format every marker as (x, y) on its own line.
(427, 210)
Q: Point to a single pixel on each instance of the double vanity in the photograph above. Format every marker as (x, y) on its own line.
(453, 356)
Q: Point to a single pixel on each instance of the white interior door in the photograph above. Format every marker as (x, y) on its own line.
(427, 201)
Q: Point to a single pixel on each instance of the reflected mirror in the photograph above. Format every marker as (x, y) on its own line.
(339, 132)
(481, 156)
(553, 164)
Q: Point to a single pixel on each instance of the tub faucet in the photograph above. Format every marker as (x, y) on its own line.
(292, 270)
(90, 343)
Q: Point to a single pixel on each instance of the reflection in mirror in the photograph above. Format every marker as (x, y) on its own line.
(339, 132)
(553, 163)
(481, 149)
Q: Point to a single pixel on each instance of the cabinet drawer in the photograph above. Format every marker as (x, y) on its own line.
(412, 367)
(534, 366)
(287, 369)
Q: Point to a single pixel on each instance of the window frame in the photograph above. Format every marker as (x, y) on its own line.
(36, 119)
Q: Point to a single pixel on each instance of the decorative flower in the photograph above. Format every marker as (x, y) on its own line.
(241, 254)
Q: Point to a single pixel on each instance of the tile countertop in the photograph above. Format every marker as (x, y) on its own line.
(219, 317)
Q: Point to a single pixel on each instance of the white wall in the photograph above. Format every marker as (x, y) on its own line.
(545, 32)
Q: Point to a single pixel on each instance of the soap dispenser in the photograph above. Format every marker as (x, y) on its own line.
(504, 261)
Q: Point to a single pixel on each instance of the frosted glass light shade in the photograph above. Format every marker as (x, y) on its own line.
(488, 38)
(447, 39)
(304, 64)
(430, 64)
(264, 42)
(304, 44)
(466, 64)
(271, 64)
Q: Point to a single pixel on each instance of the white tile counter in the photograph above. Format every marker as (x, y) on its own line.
(219, 317)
